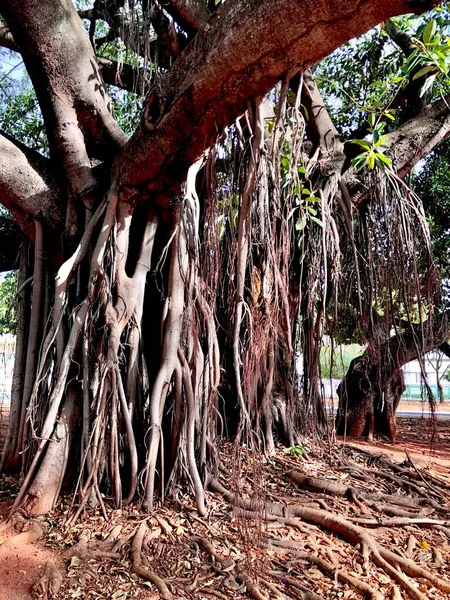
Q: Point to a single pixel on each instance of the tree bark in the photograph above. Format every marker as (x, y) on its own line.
(371, 389)
(149, 384)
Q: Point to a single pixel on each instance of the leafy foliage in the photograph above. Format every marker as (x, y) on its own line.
(20, 115)
(431, 57)
(373, 150)
(296, 451)
(352, 93)
(8, 291)
(432, 183)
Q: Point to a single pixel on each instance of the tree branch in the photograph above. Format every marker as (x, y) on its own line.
(401, 38)
(126, 77)
(411, 141)
(408, 144)
(74, 103)
(123, 76)
(320, 126)
(192, 15)
(410, 95)
(245, 49)
(417, 339)
(6, 38)
(26, 192)
(170, 41)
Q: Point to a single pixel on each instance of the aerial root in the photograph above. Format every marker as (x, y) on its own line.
(50, 582)
(228, 565)
(138, 567)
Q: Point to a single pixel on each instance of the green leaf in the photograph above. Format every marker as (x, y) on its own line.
(371, 160)
(424, 70)
(301, 223)
(363, 143)
(384, 158)
(316, 220)
(429, 31)
(411, 61)
(359, 161)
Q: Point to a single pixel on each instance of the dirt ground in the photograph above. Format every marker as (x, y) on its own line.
(427, 444)
(249, 556)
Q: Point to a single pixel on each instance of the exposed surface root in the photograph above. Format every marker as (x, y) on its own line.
(93, 551)
(291, 544)
(140, 569)
(50, 582)
(228, 565)
(329, 569)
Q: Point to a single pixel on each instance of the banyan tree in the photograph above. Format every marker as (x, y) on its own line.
(170, 279)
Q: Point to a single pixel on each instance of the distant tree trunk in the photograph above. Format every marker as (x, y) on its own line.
(370, 392)
(368, 400)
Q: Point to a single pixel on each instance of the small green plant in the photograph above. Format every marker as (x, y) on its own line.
(296, 450)
(373, 150)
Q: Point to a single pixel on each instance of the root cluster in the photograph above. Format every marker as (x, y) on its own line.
(313, 535)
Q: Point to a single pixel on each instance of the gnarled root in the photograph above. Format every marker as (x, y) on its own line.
(392, 564)
(227, 564)
(328, 569)
(50, 582)
(96, 550)
(144, 571)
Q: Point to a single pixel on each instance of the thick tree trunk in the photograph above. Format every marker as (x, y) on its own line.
(44, 492)
(10, 460)
(139, 236)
